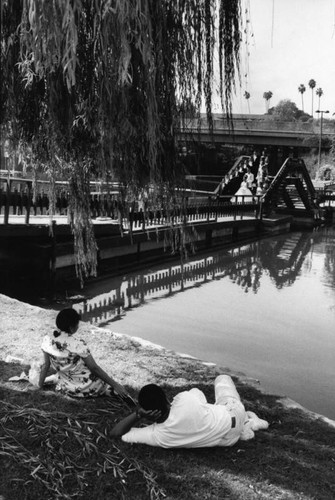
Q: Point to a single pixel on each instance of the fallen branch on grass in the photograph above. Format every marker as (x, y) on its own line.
(64, 453)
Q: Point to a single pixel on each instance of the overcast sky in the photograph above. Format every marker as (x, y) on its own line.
(293, 41)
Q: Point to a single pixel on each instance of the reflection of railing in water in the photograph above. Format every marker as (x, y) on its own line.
(328, 236)
(285, 271)
(244, 265)
(162, 283)
(105, 309)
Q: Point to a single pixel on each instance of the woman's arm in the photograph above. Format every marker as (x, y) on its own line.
(127, 423)
(44, 370)
(99, 372)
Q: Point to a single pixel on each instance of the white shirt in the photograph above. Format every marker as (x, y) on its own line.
(192, 423)
(250, 178)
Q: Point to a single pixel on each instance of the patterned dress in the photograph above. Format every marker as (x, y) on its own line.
(67, 354)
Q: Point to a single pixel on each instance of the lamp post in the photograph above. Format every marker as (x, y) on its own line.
(320, 140)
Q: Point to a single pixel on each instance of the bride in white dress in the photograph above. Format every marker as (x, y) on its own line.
(243, 195)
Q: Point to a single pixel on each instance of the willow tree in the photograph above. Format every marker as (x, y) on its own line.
(95, 88)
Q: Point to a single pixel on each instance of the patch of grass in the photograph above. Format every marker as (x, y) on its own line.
(50, 449)
(55, 447)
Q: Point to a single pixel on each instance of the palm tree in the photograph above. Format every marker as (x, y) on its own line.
(302, 89)
(319, 93)
(247, 96)
(312, 84)
(267, 96)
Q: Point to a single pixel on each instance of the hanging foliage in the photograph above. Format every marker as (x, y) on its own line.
(106, 80)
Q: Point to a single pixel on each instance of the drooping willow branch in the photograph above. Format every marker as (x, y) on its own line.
(109, 80)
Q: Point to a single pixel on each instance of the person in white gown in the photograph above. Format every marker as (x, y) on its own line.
(243, 194)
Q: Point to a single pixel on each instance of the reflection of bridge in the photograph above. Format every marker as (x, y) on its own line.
(253, 131)
(285, 257)
(167, 281)
(243, 264)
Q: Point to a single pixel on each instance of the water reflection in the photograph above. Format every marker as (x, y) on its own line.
(281, 258)
(247, 276)
(330, 259)
(280, 332)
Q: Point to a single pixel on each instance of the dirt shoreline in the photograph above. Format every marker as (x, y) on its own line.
(131, 360)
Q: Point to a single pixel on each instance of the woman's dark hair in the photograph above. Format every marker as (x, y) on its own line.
(152, 397)
(67, 319)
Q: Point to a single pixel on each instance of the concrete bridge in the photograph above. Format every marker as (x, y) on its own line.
(258, 130)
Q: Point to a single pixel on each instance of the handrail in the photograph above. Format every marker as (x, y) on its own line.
(102, 186)
(197, 210)
(290, 164)
(264, 126)
(233, 172)
(214, 210)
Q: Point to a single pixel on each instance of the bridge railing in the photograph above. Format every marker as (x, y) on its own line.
(17, 197)
(235, 171)
(18, 200)
(210, 210)
(326, 198)
(310, 127)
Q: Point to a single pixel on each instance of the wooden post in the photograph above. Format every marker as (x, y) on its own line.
(143, 220)
(29, 185)
(260, 213)
(52, 263)
(7, 206)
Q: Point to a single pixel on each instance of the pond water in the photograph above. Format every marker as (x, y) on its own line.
(266, 308)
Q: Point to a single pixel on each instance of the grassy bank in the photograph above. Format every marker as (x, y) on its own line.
(55, 447)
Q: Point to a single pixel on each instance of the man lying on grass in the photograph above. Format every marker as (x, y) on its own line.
(189, 421)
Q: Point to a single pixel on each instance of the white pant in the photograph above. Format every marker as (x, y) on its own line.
(246, 422)
(225, 390)
(227, 395)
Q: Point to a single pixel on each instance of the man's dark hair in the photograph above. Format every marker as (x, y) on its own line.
(152, 397)
(67, 319)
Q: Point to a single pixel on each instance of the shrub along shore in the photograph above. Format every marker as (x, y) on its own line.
(54, 447)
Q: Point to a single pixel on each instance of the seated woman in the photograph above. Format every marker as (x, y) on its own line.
(78, 375)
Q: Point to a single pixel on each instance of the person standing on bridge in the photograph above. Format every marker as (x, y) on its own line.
(262, 173)
(243, 195)
(255, 161)
(250, 180)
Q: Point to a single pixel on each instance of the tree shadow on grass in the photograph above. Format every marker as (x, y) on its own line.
(293, 459)
(53, 446)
